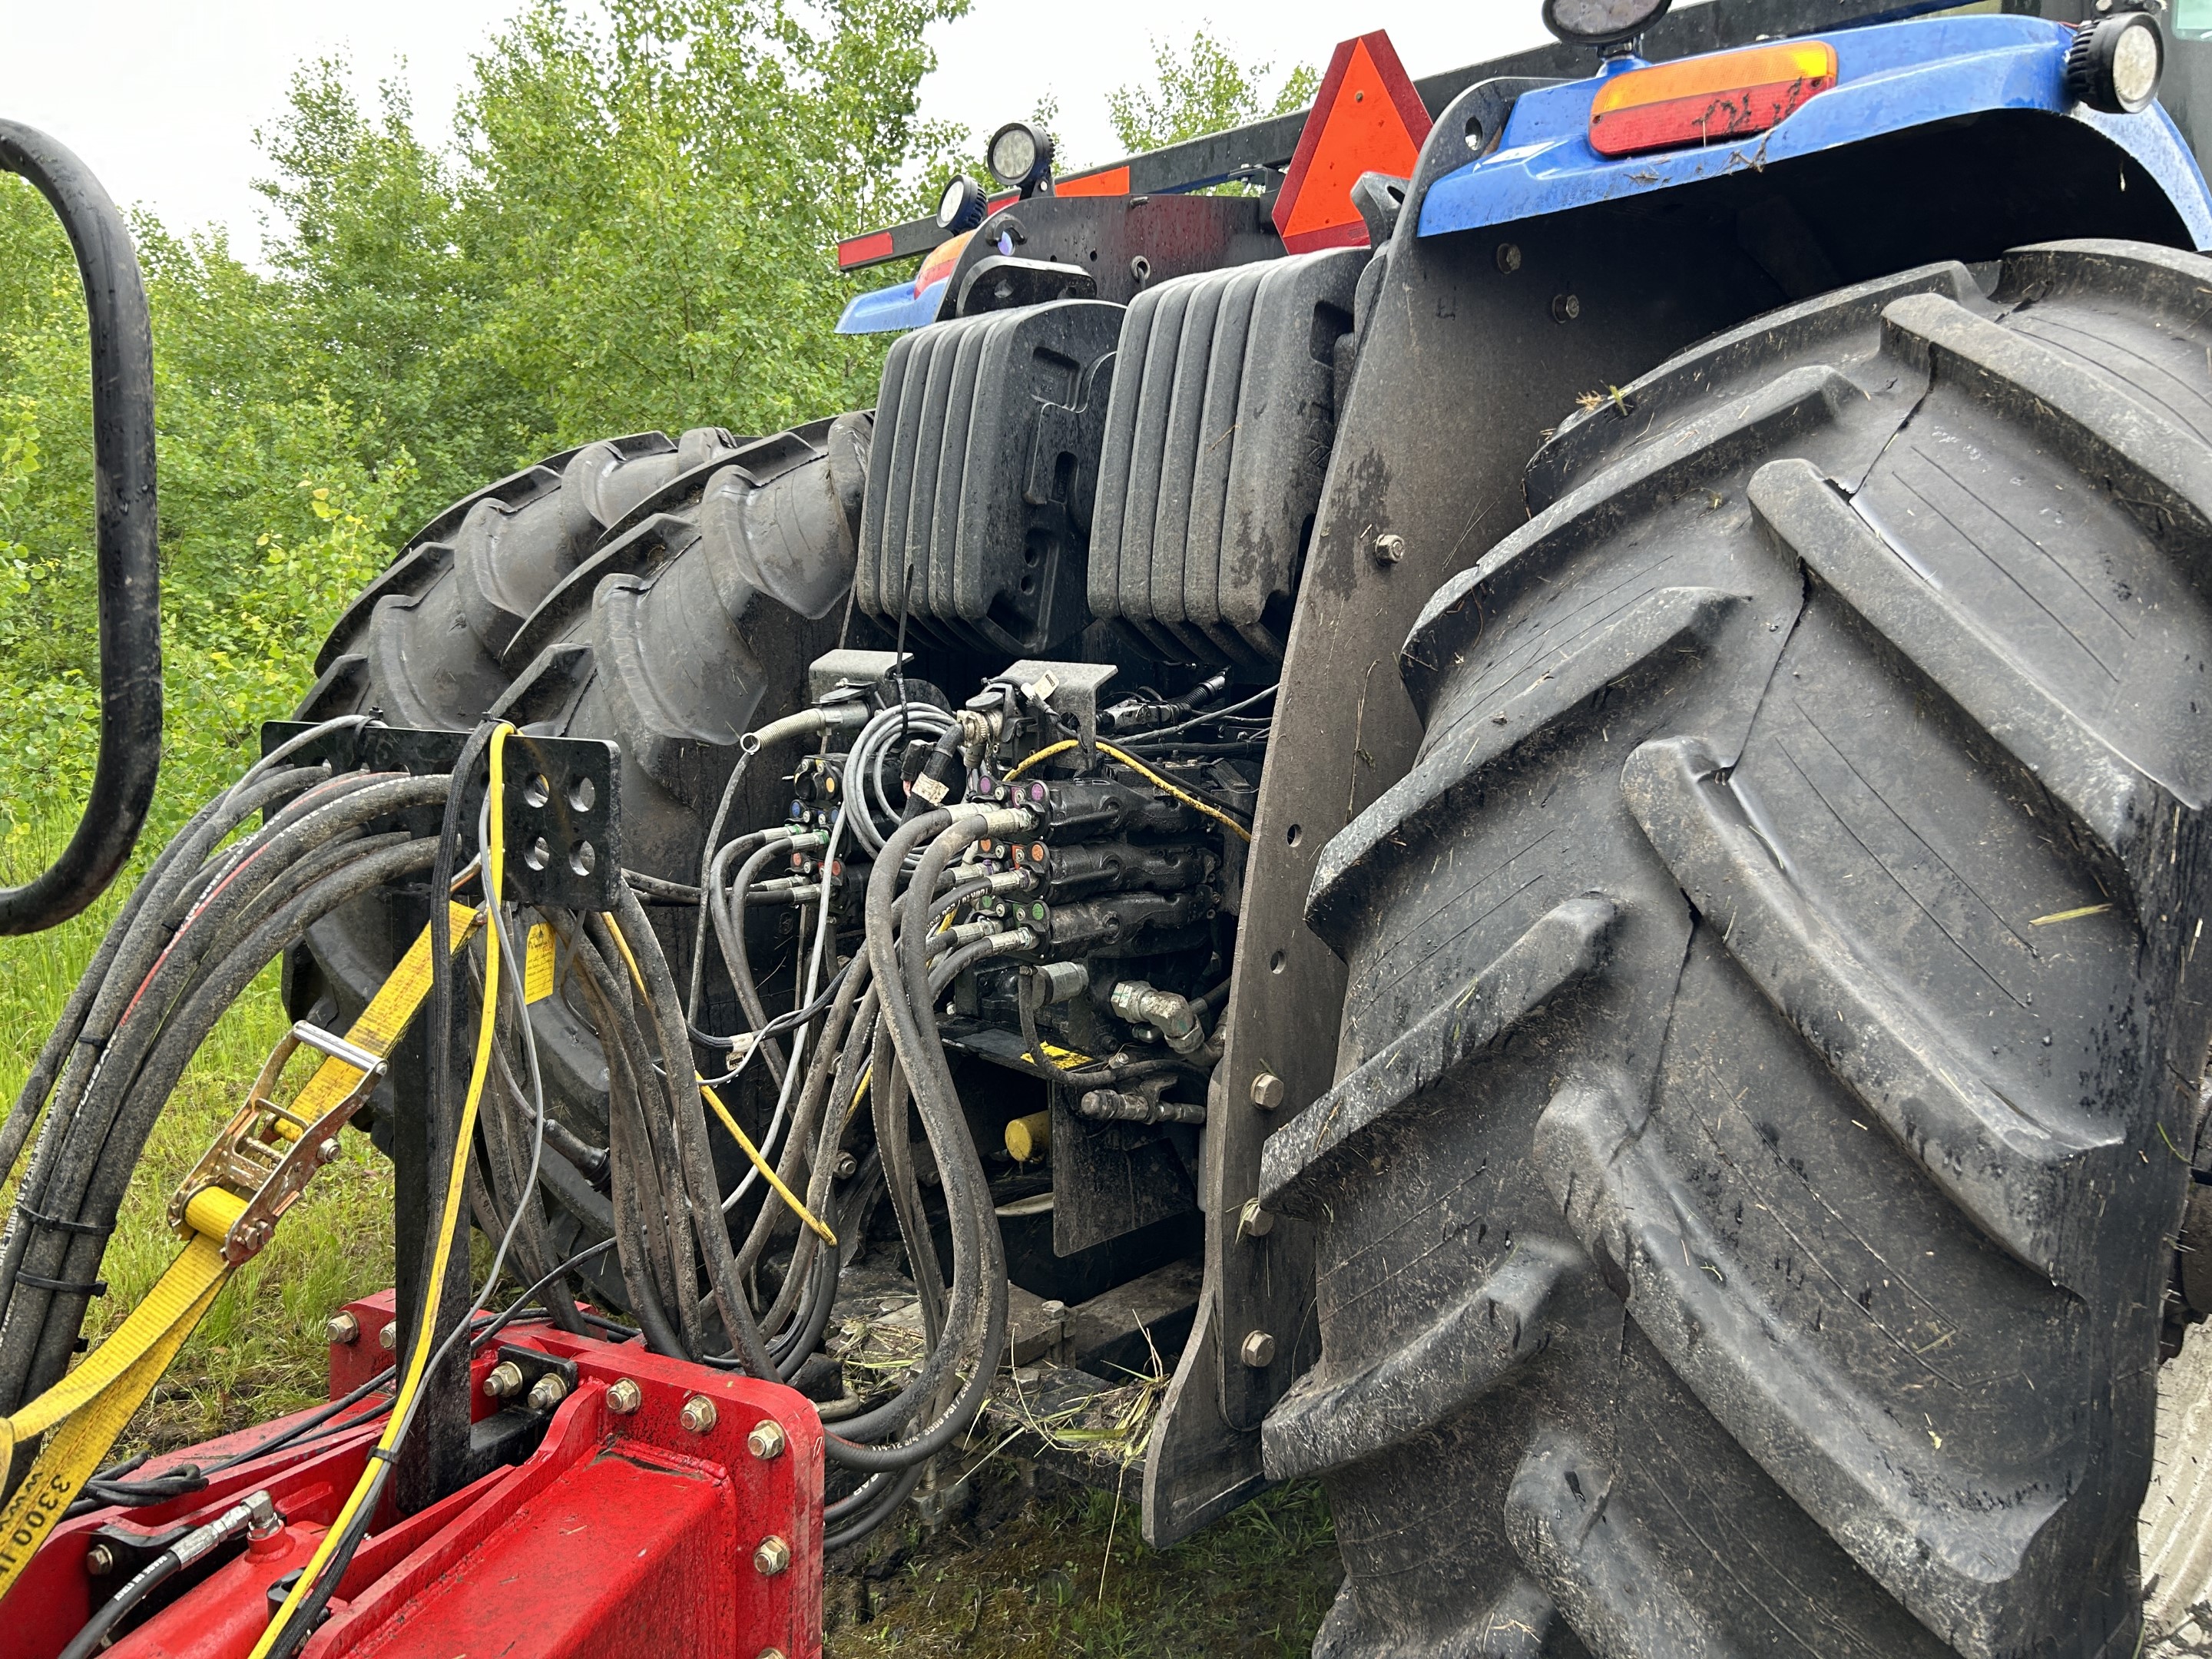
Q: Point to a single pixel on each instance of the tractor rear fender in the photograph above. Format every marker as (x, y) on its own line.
(1924, 84)
(1475, 340)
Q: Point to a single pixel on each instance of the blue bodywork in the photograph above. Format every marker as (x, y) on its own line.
(889, 310)
(1889, 77)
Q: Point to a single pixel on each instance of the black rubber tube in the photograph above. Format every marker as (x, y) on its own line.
(127, 535)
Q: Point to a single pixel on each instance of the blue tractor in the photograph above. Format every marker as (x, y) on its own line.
(1522, 765)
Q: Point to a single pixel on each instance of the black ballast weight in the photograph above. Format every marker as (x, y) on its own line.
(981, 483)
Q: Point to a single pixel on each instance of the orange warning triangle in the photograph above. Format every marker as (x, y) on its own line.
(1365, 118)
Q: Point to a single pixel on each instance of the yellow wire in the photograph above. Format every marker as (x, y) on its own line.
(419, 1356)
(1143, 771)
(761, 1164)
(722, 1111)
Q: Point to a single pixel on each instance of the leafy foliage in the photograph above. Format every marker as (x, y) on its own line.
(1199, 89)
(633, 229)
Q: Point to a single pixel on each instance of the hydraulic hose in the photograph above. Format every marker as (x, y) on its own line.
(127, 537)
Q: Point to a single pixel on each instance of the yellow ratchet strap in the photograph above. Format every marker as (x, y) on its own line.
(90, 1406)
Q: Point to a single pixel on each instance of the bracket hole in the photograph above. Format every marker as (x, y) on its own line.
(583, 858)
(538, 854)
(1277, 963)
(581, 793)
(1295, 833)
(537, 791)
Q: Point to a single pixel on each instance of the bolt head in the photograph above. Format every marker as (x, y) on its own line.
(1267, 1092)
(342, 1328)
(388, 1337)
(698, 1413)
(504, 1379)
(773, 1556)
(624, 1396)
(766, 1441)
(1255, 1222)
(1389, 550)
(547, 1392)
(328, 1152)
(1565, 308)
(847, 1166)
(98, 1561)
(1257, 1350)
(1508, 258)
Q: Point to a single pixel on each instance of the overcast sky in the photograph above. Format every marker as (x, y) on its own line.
(162, 97)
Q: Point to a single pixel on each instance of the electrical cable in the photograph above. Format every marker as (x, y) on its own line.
(319, 1580)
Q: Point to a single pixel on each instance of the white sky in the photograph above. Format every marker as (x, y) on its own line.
(161, 97)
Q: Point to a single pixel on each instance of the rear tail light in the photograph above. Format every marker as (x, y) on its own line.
(1702, 100)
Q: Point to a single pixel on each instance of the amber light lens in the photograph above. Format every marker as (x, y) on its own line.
(1703, 101)
(941, 259)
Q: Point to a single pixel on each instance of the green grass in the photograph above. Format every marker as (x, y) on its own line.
(1034, 1567)
(1038, 1568)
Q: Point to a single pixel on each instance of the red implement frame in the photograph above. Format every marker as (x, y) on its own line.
(625, 1534)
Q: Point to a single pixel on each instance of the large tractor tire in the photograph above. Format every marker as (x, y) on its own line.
(423, 642)
(1769, 1071)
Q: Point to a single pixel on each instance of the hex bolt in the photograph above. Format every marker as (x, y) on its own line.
(1509, 257)
(1267, 1092)
(698, 1415)
(1255, 1222)
(388, 1337)
(624, 1396)
(773, 1556)
(846, 1166)
(327, 1152)
(1257, 1350)
(98, 1561)
(1565, 308)
(771, 1653)
(549, 1391)
(766, 1441)
(504, 1379)
(342, 1328)
(1389, 550)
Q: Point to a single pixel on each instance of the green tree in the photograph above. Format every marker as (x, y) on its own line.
(633, 229)
(1199, 89)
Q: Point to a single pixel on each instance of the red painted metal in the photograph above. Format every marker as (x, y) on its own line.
(623, 1534)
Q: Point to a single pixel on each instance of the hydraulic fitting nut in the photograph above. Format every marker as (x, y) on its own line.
(547, 1392)
(624, 1396)
(503, 1379)
(1267, 1092)
(342, 1328)
(773, 1556)
(698, 1415)
(766, 1441)
(262, 1521)
(1257, 1350)
(388, 1337)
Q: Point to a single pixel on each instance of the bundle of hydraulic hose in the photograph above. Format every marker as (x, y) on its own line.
(228, 894)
